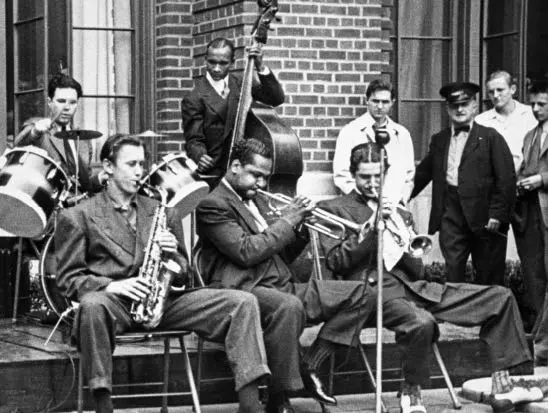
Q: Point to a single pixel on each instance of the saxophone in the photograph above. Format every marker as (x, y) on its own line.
(158, 271)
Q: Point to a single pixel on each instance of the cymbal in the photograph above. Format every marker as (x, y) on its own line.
(148, 134)
(79, 134)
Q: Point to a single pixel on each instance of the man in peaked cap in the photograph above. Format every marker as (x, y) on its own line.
(473, 189)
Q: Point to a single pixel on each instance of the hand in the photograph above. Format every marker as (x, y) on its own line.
(134, 288)
(493, 225)
(41, 126)
(530, 183)
(297, 210)
(387, 208)
(205, 163)
(257, 53)
(167, 241)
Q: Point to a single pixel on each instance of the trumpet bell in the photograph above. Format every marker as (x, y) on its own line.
(419, 246)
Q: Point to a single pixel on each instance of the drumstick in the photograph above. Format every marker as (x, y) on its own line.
(54, 118)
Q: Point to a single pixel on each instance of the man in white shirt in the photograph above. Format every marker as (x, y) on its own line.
(209, 111)
(399, 150)
(509, 117)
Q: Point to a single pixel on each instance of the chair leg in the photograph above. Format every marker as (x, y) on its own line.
(199, 366)
(456, 403)
(80, 390)
(190, 376)
(165, 385)
(370, 375)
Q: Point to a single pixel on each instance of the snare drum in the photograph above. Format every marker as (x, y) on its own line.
(175, 176)
(31, 186)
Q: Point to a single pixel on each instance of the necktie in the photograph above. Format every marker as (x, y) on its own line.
(225, 91)
(463, 128)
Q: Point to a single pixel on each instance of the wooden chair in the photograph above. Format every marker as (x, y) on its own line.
(318, 264)
(166, 336)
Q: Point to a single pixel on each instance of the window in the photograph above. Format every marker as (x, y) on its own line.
(100, 51)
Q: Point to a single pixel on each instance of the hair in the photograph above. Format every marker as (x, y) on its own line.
(510, 80)
(219, 43)
(60, 81)
(368, 152)
(538, 86)
(380, 84)
(245, 149)
(114, 143)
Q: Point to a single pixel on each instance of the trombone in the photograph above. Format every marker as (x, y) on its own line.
(334, 220)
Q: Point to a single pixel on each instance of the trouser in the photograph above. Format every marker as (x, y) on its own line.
(532, 244)
(457, 242)
(225, 316)
(493, 308)
(343, 307)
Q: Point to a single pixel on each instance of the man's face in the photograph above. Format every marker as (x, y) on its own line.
(462, 113)
(539, 104)
(500, 92)
(368, 178)
(248, 178)
(63, 104)
(218, 62)
(127, 171)
(379, 105)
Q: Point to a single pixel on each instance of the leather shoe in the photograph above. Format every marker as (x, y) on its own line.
(314, 386)
(279, 403)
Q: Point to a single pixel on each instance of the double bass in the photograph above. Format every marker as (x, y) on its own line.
(262, 122)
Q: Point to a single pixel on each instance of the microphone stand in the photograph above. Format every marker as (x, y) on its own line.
(381, 138)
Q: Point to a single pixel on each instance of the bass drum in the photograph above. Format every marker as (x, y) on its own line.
(48, 282)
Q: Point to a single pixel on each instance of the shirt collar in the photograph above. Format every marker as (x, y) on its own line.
(123, 207)
(218, 85)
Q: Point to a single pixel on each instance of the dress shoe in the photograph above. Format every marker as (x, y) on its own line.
(411, 400)
(314, 386)
(279, 403)
(506, 402)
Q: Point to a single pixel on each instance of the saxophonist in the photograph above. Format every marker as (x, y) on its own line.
(413, 306)
(100, 248)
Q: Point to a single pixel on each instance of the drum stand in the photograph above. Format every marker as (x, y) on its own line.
(18, 268)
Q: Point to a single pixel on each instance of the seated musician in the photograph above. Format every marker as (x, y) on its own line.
(63, 96)
(412, 306)
(245, 248)
(100, 247)
(209, 111)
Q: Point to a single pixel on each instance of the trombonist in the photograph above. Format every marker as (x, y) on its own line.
(413, 306)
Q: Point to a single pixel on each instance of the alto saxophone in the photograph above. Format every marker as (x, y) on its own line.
(159, 272)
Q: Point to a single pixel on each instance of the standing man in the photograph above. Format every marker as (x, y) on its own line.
(209, 111)
(380, 96)
(512, 119)
(100, 246)
(63, 95)
(473, 189)
(248, 249)
(412, 306)
(531, 217)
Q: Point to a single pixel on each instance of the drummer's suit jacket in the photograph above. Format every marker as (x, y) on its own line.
(55, 148)
(239, 255)
(208, 119)
(351, 259)
(95, 245)
(486, 179)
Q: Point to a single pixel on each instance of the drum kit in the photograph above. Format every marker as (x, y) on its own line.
(34, 187)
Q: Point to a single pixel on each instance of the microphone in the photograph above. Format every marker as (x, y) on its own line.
(382, 137)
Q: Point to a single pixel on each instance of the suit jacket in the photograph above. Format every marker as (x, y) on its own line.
(542, 192)
(486, 182)
(94, 247)
(236, 254)
(208, 119)
(351, 259)
(55, 148)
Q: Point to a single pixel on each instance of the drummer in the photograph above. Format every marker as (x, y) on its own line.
(64, 93)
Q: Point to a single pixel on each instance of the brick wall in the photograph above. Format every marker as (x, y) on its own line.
(324, 53)
(174, 62)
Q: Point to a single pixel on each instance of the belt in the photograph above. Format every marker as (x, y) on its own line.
(452, 188)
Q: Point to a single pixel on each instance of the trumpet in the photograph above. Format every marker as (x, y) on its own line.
(342, 224)
(405, 236)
